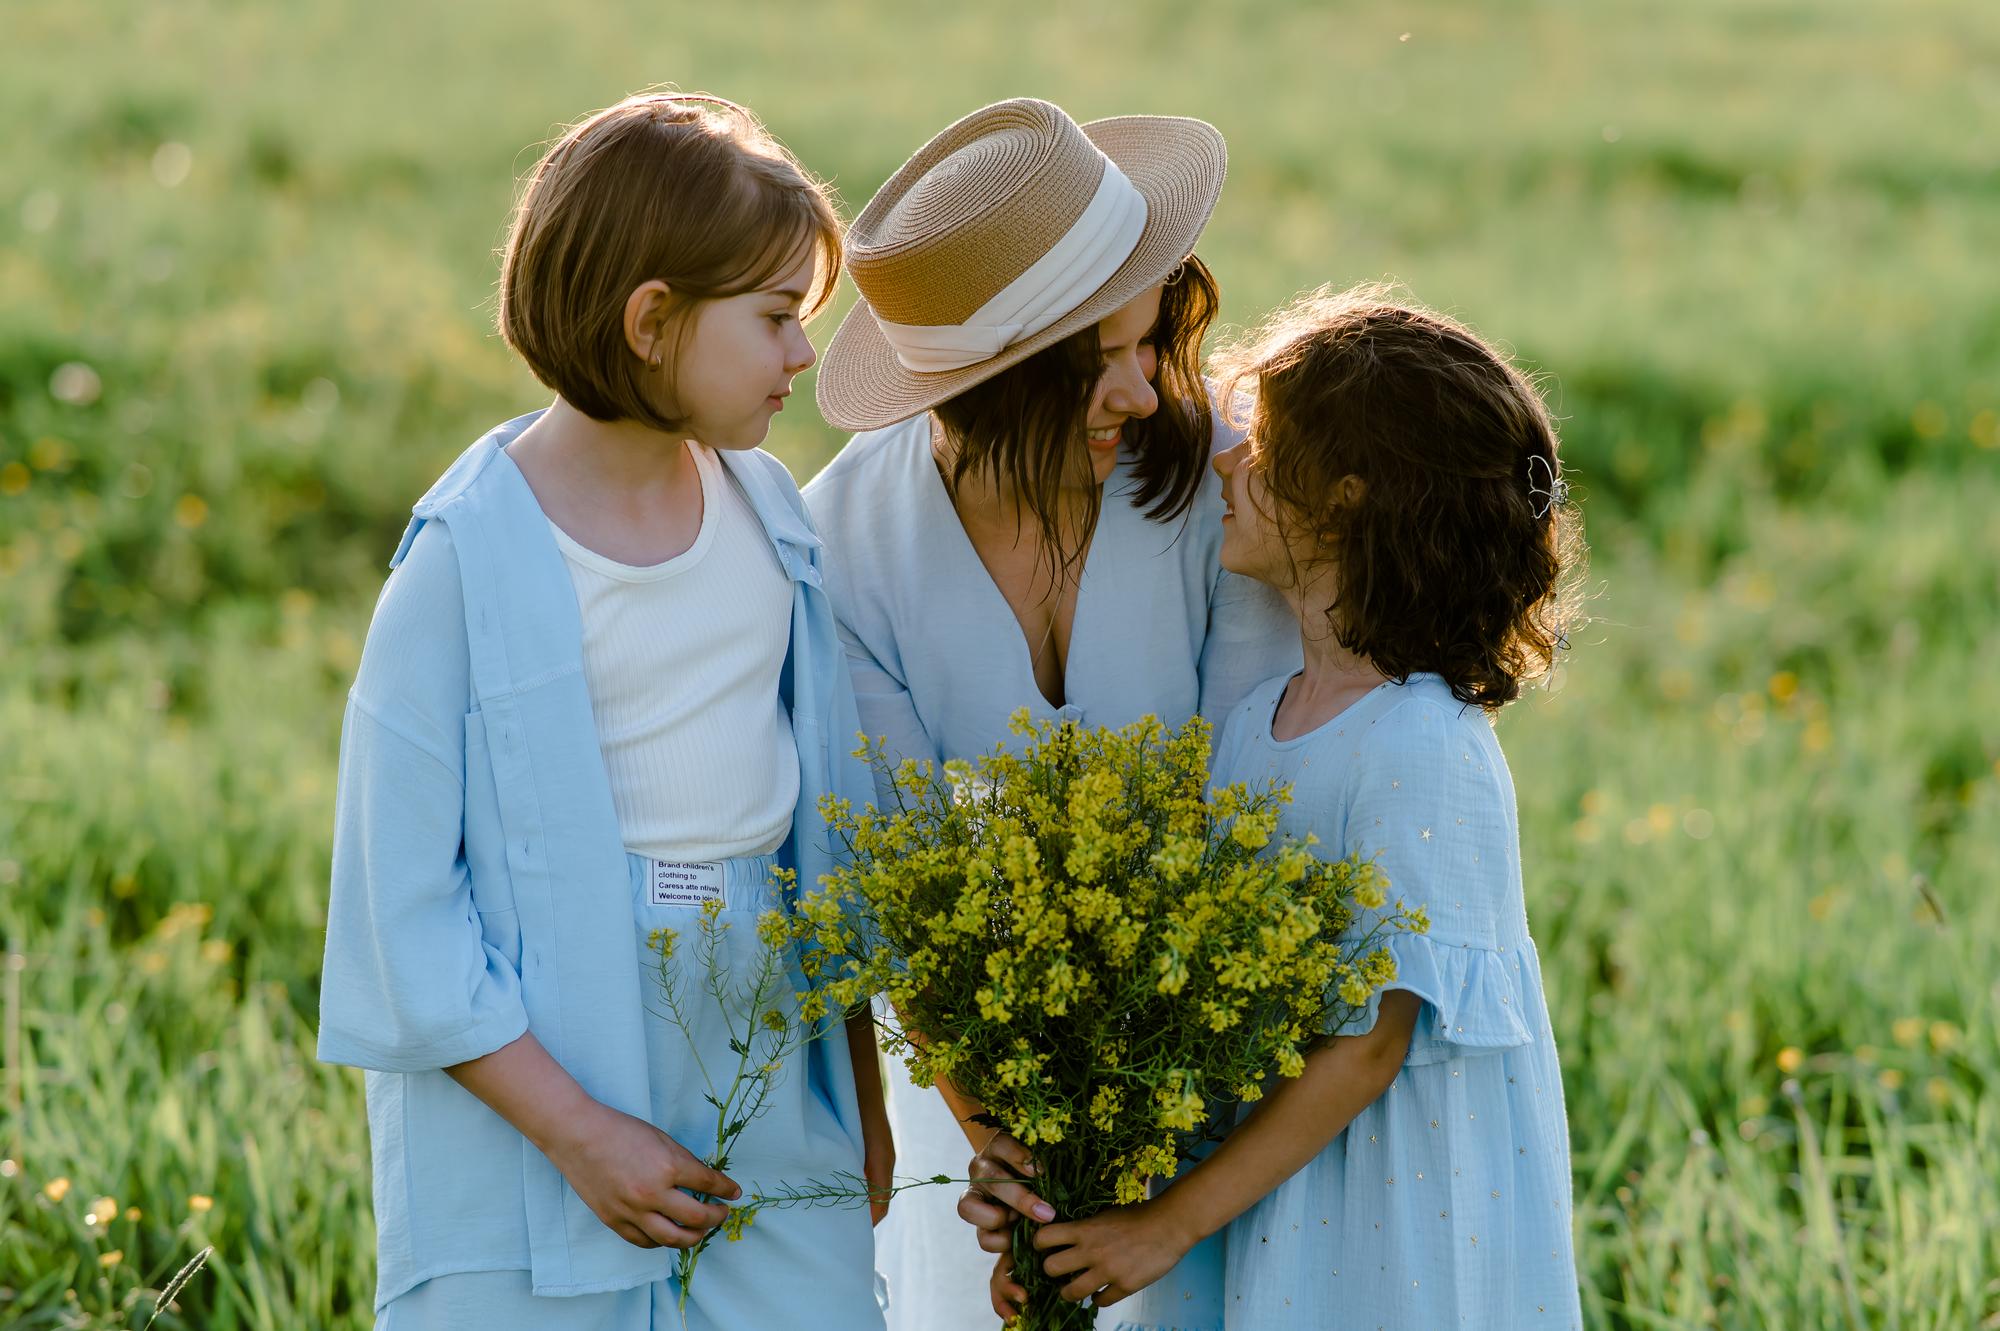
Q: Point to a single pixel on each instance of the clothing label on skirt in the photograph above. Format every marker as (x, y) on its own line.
(685, 882)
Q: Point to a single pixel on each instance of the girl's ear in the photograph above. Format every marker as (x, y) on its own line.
(646, 322)
(1350, 491)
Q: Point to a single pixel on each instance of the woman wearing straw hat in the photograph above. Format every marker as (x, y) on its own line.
(1029, 520)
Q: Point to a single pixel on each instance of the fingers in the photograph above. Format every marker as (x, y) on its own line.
(1081, 1288)
(975, 1210)
(1006, 1293)
(1110, 1294)
(995, 1240)
(691, 1212)
(1014, 1195)
(1067, 1262)
(634, 1235)
(1008, 1150)
(1058, 1236)
(701, 1178)
(664, 1233)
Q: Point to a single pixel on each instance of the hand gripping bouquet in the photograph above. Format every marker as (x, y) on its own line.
(1104, 952)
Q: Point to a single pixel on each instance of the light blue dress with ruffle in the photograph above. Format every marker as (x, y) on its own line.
(1446, 1202)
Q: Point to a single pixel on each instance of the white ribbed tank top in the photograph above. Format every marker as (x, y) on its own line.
(682, 661)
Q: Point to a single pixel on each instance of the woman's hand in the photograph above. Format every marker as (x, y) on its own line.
(631, 1176)
(1115, 1253)
(996, 1197)
(1006, 1293)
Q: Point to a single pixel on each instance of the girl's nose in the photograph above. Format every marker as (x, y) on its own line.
(1225, 461)
(803, 355)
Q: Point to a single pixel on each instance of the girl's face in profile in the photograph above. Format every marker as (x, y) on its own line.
(1252, 543)
(740, 357)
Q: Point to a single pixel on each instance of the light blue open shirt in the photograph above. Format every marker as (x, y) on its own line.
(480, 885)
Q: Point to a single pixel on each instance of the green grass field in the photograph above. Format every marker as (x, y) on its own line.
(245, 279)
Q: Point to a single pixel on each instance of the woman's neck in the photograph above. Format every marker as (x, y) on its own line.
(989, 504)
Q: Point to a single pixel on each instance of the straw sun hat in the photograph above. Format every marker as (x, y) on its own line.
(1005, 234)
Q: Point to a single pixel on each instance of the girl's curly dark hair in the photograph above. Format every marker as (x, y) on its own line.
(1458, 552)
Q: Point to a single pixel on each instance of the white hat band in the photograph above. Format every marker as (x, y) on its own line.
(1101, 239)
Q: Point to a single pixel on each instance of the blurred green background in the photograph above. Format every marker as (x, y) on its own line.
(246, 270)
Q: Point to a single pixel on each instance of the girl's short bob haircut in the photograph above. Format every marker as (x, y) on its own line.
(686, 189)
(1457, 553)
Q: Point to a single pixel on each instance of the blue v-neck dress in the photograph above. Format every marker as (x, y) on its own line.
(939, 663)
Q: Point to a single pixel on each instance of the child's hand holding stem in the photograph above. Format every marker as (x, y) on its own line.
(634, 1177)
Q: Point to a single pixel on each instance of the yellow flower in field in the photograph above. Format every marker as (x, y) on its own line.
(1908, 1030)
(1105, 1106)
(102, 1211)
(200, 1204)
(1291, 1062)
(774, 1020)
(56, 1189)
(1889, 1079)
(132, 1213)
(1354, 991)
(111, 1259)
(1790, 1059)
(739, 1219)
(1944, 1036)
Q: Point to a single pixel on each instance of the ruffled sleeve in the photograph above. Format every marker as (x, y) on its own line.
(1429, 800)
(1472, 999)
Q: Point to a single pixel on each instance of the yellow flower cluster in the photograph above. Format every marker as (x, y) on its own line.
(1094, 943)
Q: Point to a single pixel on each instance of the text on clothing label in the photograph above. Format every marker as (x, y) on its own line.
(686, 883)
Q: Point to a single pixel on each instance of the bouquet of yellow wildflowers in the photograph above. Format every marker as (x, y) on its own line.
(1097, 947)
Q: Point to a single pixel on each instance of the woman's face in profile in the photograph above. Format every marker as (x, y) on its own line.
(1124, 390)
